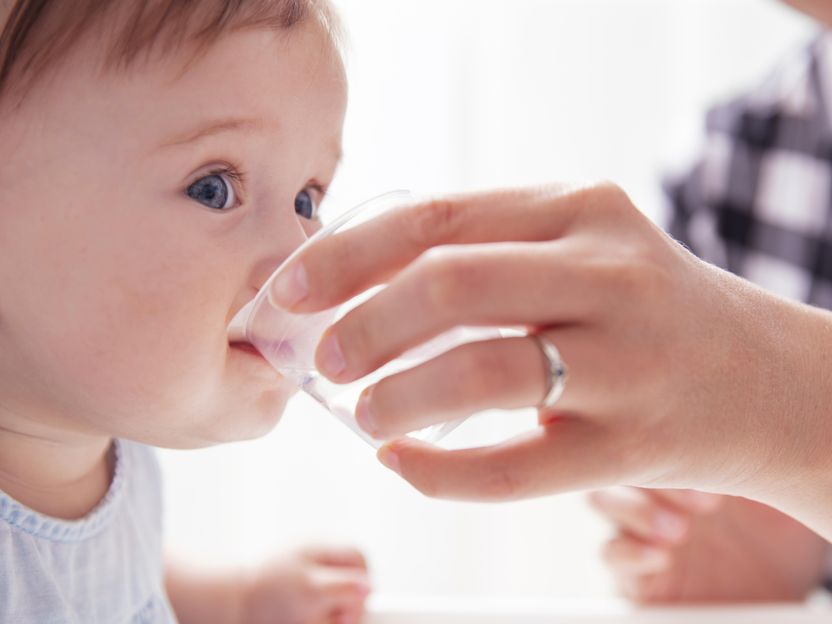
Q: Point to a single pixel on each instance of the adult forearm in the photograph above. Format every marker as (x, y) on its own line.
(798, 480)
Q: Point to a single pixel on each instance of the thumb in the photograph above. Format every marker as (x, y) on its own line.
(564, 454)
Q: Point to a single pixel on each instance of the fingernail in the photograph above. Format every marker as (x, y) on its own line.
(670, 526)
(364, 414)
(390, 459)
(290, 286)
(331, 358)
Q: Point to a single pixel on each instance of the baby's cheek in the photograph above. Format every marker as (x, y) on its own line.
(151, 367)
(156, 352)
(173, 382)
(150, 347)
(209, 392)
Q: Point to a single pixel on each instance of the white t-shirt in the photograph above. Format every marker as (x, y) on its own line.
(104, 568)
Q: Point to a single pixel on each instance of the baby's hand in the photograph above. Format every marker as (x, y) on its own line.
(311, 586)
(684, 546)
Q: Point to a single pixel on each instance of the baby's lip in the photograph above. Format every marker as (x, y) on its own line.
(245, 346)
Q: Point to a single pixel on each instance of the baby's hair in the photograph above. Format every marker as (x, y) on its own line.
(36, 34)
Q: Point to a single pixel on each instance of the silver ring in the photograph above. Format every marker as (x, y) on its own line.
(556, 373)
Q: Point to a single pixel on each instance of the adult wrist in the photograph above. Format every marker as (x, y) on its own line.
(795, 474)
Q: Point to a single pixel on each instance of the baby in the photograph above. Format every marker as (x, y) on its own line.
(159, 159)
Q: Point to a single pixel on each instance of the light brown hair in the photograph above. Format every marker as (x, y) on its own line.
(36, 34)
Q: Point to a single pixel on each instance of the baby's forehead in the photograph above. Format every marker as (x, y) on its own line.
(250, 80)
(252, 95)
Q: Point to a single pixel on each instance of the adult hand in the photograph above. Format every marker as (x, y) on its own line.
(666, 543)
(681, 375)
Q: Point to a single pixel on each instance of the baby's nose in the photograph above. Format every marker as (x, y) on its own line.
(278, 240)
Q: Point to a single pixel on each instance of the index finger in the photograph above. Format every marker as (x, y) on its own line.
(349, 262)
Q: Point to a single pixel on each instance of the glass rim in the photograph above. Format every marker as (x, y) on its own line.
(324, 232)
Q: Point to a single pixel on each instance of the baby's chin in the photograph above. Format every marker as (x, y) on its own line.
(256, 416)
(235, 418)
(254, 397)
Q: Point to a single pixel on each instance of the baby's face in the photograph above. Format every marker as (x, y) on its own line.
(138, 212)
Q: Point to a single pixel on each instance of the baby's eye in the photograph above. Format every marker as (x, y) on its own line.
(214, 191)
(305, 205)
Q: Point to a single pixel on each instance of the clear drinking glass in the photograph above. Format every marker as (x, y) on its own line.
(289, 341)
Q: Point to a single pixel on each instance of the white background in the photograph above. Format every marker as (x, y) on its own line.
(458, 94)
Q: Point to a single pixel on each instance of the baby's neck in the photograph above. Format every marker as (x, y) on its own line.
(60, 474)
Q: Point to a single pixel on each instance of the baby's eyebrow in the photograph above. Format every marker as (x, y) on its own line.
(231, 124)
(216, 126)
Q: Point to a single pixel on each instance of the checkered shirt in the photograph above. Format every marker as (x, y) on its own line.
(759, 202)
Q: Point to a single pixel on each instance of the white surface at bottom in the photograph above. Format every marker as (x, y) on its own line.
(389, 610)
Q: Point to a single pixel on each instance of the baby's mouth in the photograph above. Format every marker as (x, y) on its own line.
(247, 347)
(237, 338)
(250, 353)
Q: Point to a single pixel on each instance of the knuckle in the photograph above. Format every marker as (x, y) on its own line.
(612, 192)
(443, 278)
(631, 273)
(433, 222)
(610, 199)
(633, 264)
(601, 199)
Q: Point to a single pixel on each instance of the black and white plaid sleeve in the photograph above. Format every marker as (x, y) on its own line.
(759, 202)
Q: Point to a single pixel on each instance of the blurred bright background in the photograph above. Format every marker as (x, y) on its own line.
(448, 95)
